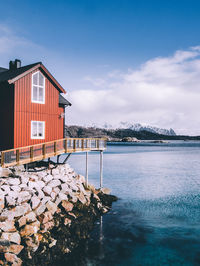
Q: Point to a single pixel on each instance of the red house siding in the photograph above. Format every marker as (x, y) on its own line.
(25, 111)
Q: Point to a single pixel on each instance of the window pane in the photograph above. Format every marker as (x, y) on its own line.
(34, 129)
(40, 129)
(41, 98)
(35, 97)
(41, 80)
(35, 79)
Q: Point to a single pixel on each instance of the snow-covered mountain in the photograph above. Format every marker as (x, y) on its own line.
(140, 127)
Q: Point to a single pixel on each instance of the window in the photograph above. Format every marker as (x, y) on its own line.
(38, 88)
(37, 129)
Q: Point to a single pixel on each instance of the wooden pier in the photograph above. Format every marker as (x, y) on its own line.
(25, 155)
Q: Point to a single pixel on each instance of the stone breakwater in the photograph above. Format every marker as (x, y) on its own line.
(44, 215)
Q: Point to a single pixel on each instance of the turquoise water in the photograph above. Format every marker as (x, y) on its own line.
(157, 218)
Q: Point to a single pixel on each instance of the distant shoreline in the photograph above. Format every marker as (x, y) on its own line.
(119, 135)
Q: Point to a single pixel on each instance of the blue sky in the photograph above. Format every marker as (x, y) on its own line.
(94, 47)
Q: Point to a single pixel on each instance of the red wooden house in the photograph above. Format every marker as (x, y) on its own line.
(31, 106)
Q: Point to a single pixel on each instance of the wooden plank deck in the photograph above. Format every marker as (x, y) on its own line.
(46, 150)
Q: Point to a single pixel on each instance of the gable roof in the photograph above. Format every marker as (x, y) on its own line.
(2, 69)
(13, 75)
(63, 101)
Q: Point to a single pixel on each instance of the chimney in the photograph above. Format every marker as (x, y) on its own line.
(14, 64)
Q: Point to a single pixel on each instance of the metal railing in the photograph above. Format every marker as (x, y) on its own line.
(45, 150)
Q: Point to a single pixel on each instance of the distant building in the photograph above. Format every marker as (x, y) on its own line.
(32, 109)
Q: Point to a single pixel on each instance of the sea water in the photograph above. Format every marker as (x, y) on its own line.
(156, 220)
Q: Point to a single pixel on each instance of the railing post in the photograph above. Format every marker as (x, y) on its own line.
(105, 143)
(86, 143)
(2, 159)
(31, 153)
(98, 144)
(82, 144)
(74, 145)
(44, 150)
(17, 156)
(65, 145)
(55, 147)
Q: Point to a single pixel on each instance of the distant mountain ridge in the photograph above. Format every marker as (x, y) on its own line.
(139, 127)
(118, 134)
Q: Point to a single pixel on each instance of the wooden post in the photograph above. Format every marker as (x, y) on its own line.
(31, 153)
(65, 145)
(97, 144)
(2, 159)
(101, 169)
(82, 144)
(86, 169)
(44, 150)
(86, 143)
(55, 147)
(17, 156)
(74, 145)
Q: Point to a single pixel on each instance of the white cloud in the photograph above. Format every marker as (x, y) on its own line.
(164, 91)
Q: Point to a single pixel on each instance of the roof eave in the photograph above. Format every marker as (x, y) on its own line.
(59, 87)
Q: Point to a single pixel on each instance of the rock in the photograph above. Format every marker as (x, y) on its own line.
(11, 248)
(40, 193)
(23, 196)
(12, 237)
(62, 196)
(47, 178)
(16, 249)
(22, 209)
(22, 221)
(96, 197)
(35, 201)
(30, 217)
(45, 217)
(5, 172)
(8, 226)
(105, 190)
(56, 190)
(30, 229)
(12, 258)
(54, 183)
(13, 181)
(15, 188)
(40, 184)
(53, 243)
(55, 172)
(34, 177)
(68, 206)
(24, 180)
(51, 206)
(81, 198)
(53, 195)
(48, 226)
(32, 184)
(47, 190)
(32, 242)
(67, 221)
(6, 189)
(10, 201)
(57, 176)
(2, 201)
(40, 209)
(81, 178)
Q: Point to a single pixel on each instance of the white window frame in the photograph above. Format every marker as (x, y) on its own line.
(43, 133)
(38, 86)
